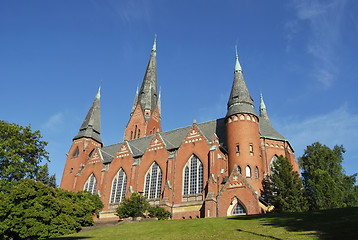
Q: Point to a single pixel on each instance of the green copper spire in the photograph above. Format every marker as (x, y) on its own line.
(237, 65)
(262, 104)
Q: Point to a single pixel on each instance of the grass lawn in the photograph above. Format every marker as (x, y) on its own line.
(331, 224)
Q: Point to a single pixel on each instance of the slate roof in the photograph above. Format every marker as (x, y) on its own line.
(174, 138)
(240, 100)
(91, 126)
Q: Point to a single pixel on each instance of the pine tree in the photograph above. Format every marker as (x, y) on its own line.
(286, 187)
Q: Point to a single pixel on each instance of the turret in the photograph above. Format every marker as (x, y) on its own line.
(84, 144)
(242, 131)
(145, 115)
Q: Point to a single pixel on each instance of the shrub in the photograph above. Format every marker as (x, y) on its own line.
(159, 213)
(134, 206)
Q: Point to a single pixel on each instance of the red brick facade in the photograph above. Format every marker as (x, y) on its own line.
(204, 170)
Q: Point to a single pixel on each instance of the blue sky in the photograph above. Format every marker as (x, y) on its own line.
(302, 55)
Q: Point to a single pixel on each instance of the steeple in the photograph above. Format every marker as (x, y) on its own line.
(91, 126)
(240, 100)
(135, 101)
(148, 94)
(263, 112)
(159, 105)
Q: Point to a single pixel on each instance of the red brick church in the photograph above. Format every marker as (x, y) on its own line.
(207, 169)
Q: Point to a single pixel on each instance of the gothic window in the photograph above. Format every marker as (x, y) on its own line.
(119, 187)
(91, 153)
(138, 133)
(248, 171)
(239, 169)
(131, 135)
(135, 131)
(242, 117)
(76, 153)
(274, 159)
(91, 184)
(238, 210)
(256, 172)
(153, 182)
(248, 117)
(193, 176)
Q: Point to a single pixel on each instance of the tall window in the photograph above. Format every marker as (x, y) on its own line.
(119, 187)
(238, 210)
(248, 171)
(76, 153)
(239, 169)
(135, 131)
(193, 176)
(256, 172)
(138, 133)
(271, 163)
(91, 184)
(251, 149)
(153, 182)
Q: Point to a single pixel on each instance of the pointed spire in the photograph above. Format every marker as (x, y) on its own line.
(154, 48)
(148, 93)
(159, 104)
(262, 104)
(237, 65)
(240, 100)
(135, 102)
(91, 126)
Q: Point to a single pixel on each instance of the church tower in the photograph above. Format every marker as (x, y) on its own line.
(84, 144)
(145, 115)
(242, 131)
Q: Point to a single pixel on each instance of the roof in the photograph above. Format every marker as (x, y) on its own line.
(173, 139)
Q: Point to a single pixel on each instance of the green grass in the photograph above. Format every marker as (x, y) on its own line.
(329, 224)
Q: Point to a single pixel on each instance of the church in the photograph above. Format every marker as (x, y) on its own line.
(209, 169)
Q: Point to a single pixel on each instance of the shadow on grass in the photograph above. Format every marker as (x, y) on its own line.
(258, 234)
(339, 223)
(70, 238)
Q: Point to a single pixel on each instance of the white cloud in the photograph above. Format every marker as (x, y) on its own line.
(324, 21)
(133, 10)
(53, 122)
(338, 127)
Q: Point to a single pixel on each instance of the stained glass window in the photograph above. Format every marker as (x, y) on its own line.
(193, 176)
(119, 187)
(153, 182)
(91, 184)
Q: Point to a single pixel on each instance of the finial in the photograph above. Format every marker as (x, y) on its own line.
(154, 49)
(237, 65)
(262, 104)
(98, 96)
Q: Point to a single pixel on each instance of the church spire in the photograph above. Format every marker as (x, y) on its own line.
(148, 94)
(240, 100)
(91, 126)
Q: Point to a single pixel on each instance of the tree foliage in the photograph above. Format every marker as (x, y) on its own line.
(286, 187)
(159, 212)
(21, 151)
(134, 206)
(44, 177)
(326, 184)
(32, 210)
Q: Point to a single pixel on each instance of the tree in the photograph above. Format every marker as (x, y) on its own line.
(326, 184)
(33, 210)
(159, 212)
(21, 152)
(44, 177)
(134, 206)
(286, 187)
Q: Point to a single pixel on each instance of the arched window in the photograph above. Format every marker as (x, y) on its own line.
(256, 172)
(135, 131)
(239, 169)
(119, 187)
(274, 159)
(193, 176)
(238, 210)
(138, 133)
(248, 171)
(131, 135)
(91, 184)
(153, 182)
(76, 153)
(91, 153)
